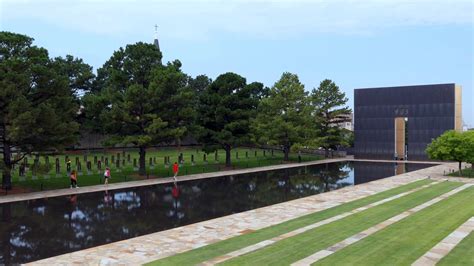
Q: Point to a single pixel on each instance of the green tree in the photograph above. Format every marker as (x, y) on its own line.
(199, 83)
(176, 101)
(225, 109)
(80, 80)
(329, 111)
(348, 137)
(79, 74)
(37, 106)
(468, 139)
(283, 116)
(142, 102)
(129, 66)
(450, 146)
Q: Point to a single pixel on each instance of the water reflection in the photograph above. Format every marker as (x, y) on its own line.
(37, 229)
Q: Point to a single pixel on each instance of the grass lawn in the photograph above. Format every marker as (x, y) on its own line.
(462, 254)
(301, 246)
(468, 172)
(400, 243)
(247, 158)
(406, 241)
(220, 248)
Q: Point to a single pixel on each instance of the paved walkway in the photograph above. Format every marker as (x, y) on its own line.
(374, 229)
(155, 181)
(162, 244)
(301, 230)
(446, 245)
(392, 161)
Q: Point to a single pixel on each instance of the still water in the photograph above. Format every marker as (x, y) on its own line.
(37, 229)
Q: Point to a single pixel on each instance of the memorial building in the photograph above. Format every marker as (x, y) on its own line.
(399, 122)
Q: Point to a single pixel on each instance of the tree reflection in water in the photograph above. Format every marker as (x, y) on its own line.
(36, 229)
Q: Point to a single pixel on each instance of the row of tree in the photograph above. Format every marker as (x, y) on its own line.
(135, 99)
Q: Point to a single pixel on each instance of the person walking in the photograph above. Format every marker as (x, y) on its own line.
(73, 178)
(175, 169)
(107, 175)
(68, 165)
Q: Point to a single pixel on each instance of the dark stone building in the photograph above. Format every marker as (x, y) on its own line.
(399, 122)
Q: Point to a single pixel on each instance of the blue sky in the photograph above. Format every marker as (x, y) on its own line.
(355, 43)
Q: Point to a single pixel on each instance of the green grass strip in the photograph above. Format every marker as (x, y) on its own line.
(462, 254)
(303, 245)
(404, 242)
(128, 173)
(223, 247)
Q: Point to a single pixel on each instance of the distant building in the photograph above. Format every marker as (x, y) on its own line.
(347, 121)
(399, 122)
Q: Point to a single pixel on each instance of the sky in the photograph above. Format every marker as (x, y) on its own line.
(357, 44)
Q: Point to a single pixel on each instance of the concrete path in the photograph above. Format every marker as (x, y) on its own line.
(446, 245)
(392, 161)
(301, 230)
(372, 230)
(155, 181)
(162, 244)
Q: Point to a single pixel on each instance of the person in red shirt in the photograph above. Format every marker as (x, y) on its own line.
(175, 191)
(175, 169)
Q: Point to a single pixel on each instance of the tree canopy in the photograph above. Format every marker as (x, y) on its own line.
(329, 112)
(225, 109)
(452, 146)
(136, 100)
(283, 116)
(37, 103)
(142, 102)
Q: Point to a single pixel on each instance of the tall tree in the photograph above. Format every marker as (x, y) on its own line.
(329, 112)
(176, 100)
(225, 109)
(37, 106)
(142, 102)
(283, 116)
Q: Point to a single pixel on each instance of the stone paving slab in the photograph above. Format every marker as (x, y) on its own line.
(155, 181)
(170, 242)
(445, 246)
(372, 230)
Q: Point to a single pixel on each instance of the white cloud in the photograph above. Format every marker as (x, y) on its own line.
(267, 19)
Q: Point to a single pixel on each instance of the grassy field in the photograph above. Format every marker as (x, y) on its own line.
(127, 171)
(463, 253)
(399, 244)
